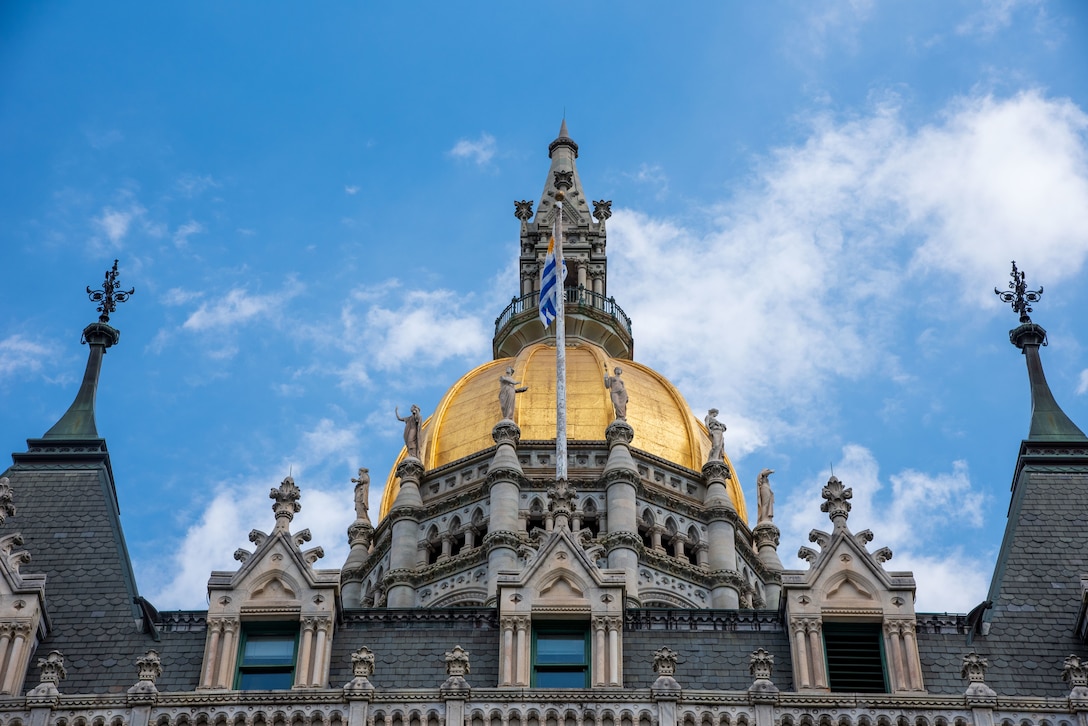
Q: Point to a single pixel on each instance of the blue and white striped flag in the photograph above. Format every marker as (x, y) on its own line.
(549, 286)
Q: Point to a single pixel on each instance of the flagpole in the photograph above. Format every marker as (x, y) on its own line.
(560, 348)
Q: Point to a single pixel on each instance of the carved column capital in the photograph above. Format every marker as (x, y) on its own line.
(766, 535)
(506, 432)
(411, 469)
(619, 432)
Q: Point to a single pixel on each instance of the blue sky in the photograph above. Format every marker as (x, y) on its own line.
(812, 205)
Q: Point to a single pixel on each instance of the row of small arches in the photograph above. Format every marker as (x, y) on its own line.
(902, 720)
(279, 717)
(557, 717)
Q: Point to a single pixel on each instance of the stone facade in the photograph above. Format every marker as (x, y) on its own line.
(491, 593)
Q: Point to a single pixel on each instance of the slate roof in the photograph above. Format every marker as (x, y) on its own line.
(1036, 591)
(67, 515)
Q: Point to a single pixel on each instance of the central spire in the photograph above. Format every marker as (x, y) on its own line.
(591, 314)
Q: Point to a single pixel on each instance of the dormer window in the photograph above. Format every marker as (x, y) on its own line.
(266, 659)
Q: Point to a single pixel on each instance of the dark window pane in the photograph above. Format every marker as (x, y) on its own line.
(266, 680)
(561, 678)
(560, 648)
(855, 662)
(268, 650)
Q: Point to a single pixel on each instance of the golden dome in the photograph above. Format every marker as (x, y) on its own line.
(664, 424)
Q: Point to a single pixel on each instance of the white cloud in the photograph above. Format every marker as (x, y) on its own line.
(20, 356)
(237, 307)
(479, 151)
(192, 185)
(115, 223)
(837, 20)
(1082, 385)
(185, 231)
(178, 296)
(322, 468)
(351, 190)
(427, 328)
(906, 518)
(830, 234)
(994, 15)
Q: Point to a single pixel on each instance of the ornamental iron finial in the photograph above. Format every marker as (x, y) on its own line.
(286, 505)
(108, 297)
(837, 501)
(1018, 295)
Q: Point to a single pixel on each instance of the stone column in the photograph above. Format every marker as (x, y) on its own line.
(403, 548)
(766, 536)
(721, 536)
(621, 486)
(503, 477)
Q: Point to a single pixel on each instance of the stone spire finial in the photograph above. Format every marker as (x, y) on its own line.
(523, 210)
(837, 501)
(760, 665)
(563, 139)
(52, 672)
(457, 667)
(1076, 675)
(362, 667)
(665, 661)
(149, 667)
(286, 505)
(974, 670)
(561, 502)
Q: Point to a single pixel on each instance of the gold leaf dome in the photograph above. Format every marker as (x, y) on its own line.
(663, 422)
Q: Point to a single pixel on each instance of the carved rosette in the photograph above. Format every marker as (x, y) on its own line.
(506, 432)
(285, 505)
(836, 501)
(619, 432)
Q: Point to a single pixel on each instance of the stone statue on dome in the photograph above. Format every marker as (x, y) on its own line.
(508, 389)
(717, 436)
(362, 494)
(766, 497)
(618, 393)
(412, 424)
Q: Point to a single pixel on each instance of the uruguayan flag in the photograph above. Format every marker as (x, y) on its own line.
(549, 286)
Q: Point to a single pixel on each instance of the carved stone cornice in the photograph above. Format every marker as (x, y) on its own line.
(622, 476)
(411, 469)
(502, 475)
(401, 576)
(721, 513)
(404, 512)
(506, 432)
(716, 471)
(501, 538)
(619, 432)
(766, 535)
(621, 540)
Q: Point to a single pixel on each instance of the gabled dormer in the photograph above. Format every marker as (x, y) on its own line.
(561, 615)
(851, 622)
(271, 622)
